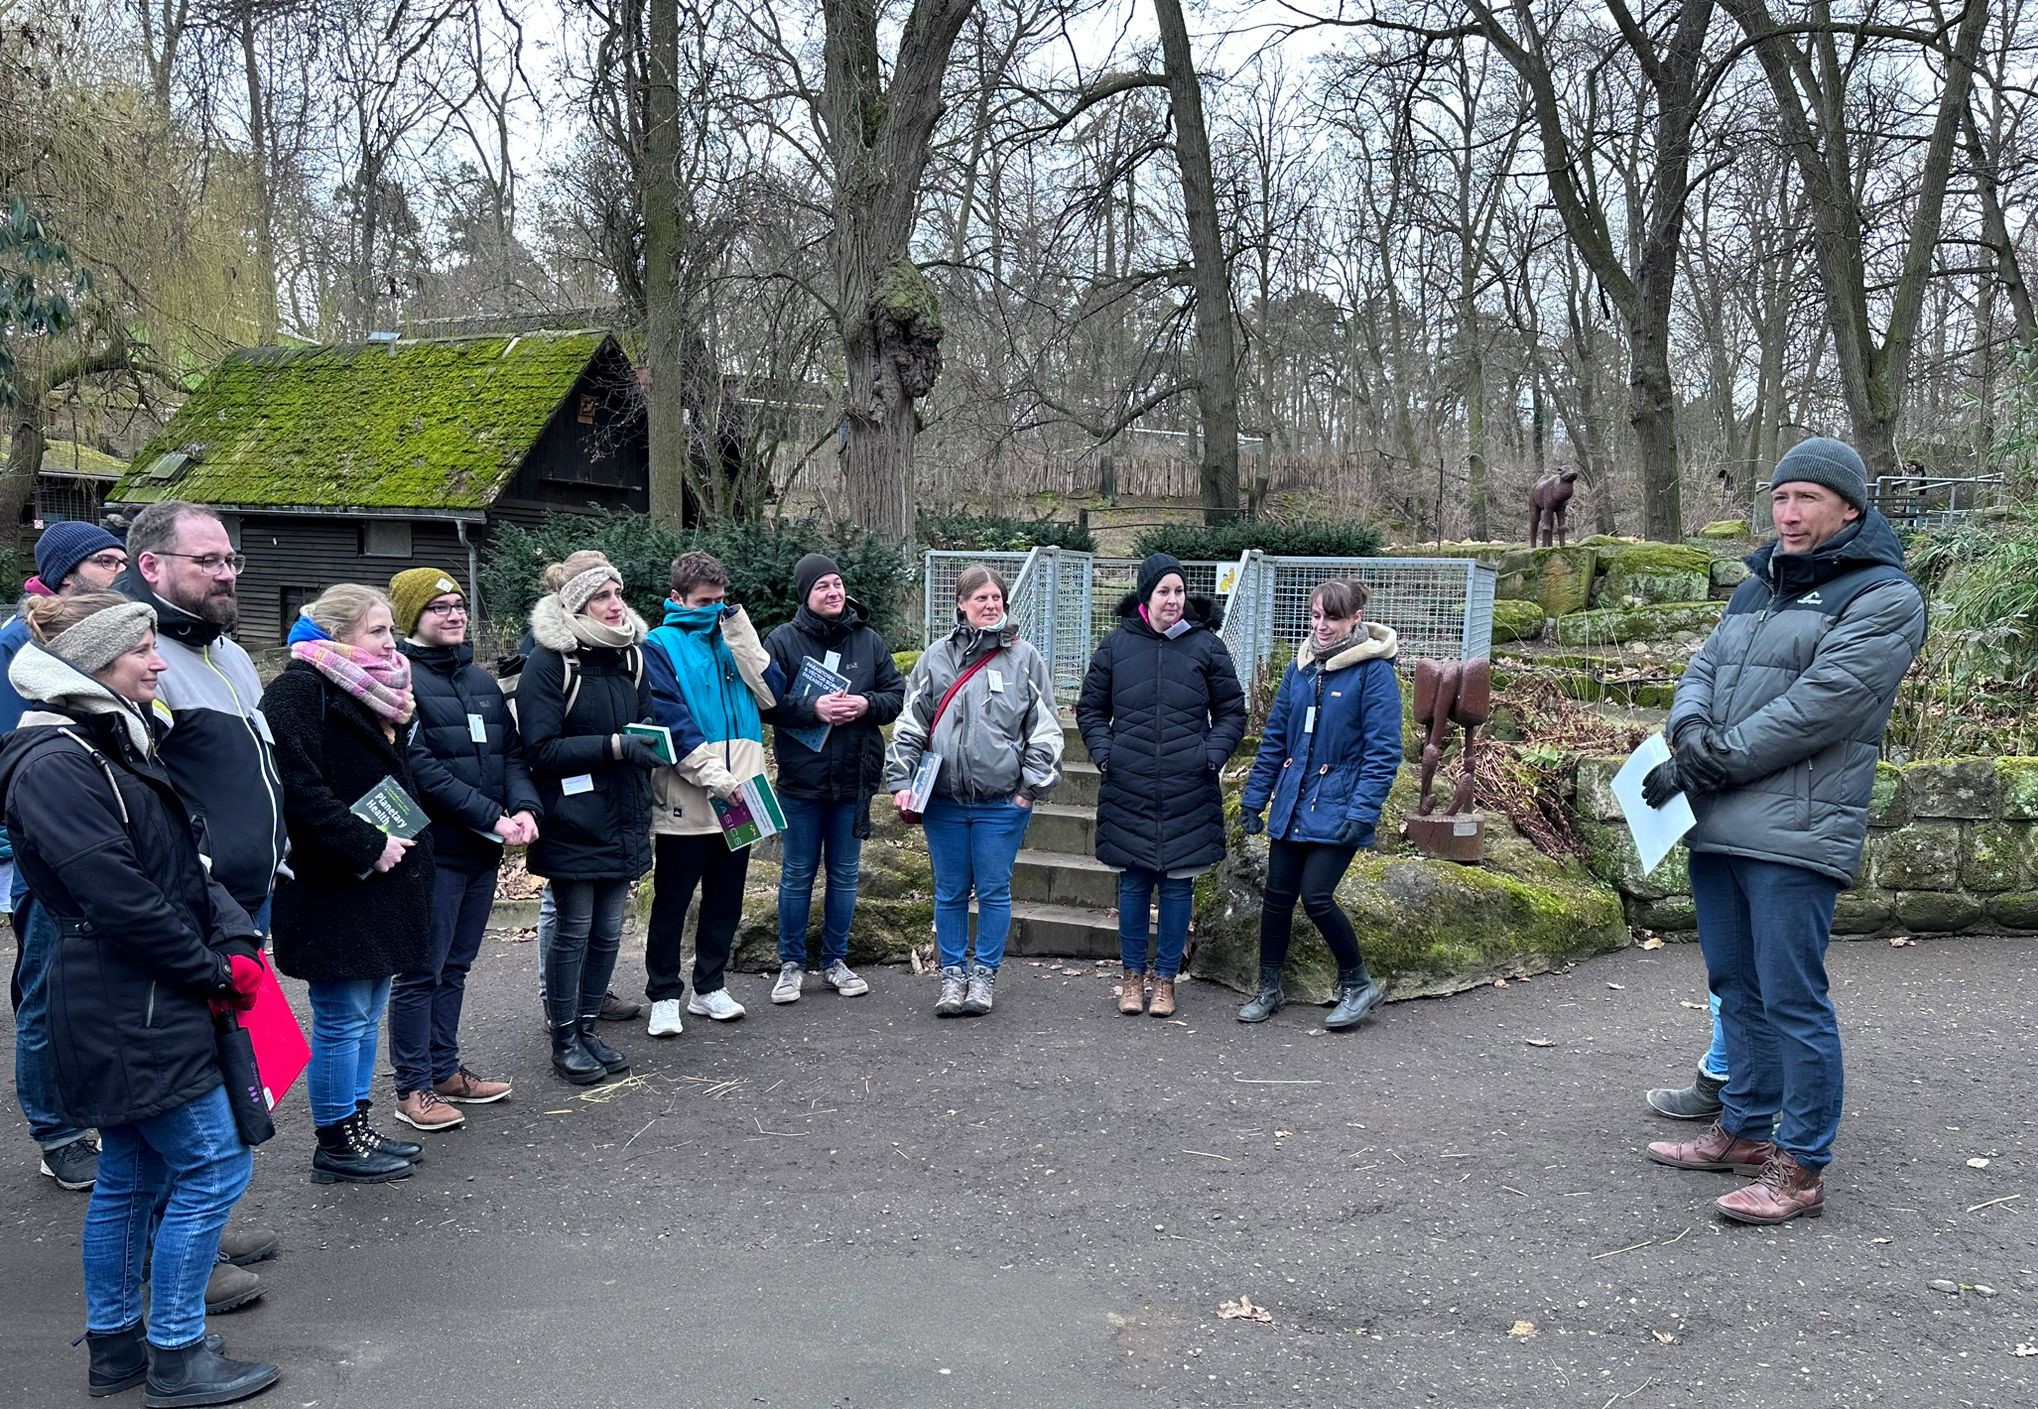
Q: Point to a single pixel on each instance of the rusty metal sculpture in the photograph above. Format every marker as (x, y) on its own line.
(1447, 693)
(1549, 507)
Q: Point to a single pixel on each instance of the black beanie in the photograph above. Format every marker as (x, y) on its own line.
(1156, 567)
(811, 570)
(1830, 463)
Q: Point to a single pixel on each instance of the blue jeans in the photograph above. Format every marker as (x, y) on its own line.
(424, 1007)
(346, 1017)
(35, 1084)
(1764, 928)
(972, 846)
(193, 1161)
(1136, 886)
(811, 828)
(1715, 1061)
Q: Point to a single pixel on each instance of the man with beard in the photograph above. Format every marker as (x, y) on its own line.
(216, 747)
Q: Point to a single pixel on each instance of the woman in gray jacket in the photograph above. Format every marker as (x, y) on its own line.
(983, 701)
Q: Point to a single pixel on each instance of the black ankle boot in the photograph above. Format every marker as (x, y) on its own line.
(409, 1150)
(1265, 1003)
(1357, 995)
(345, 1156)
(120, 1360)
(570, 1057)
(612, 1061)
(198, 1374)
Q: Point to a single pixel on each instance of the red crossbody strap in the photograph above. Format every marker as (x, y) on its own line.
(949, 693)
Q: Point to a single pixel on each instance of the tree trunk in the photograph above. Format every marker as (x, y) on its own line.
(664, 318)
(265, 189)
(1216, 343)
(1474, 372)
(24, 464)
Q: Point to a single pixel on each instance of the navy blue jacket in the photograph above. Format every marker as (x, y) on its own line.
(466, 787)
(1328, 785)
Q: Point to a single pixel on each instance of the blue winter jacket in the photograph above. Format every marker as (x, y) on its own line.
(1329, 784)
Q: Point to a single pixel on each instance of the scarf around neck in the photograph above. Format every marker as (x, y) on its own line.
(380, 682)
(720, 703)
(590, 632)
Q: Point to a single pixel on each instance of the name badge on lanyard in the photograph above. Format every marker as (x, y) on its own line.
(477, 728)
(997, 681)
(1309, 721)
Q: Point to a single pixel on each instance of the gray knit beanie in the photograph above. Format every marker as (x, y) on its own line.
(1827, 462)
(577, 591)
(103, 637)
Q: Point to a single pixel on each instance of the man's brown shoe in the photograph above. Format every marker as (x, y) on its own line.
(464, 1088)
(1715, 1150)
(423, 1110)
(1785, 1191)
(619, 1010)
(1163, 1004)
(1132, 993)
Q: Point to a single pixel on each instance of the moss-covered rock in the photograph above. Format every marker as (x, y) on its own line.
(1886, 799)
(1995, 856)
(1952, 787)
(1725, 575)
(1517, 621)
(1936, 911)
(1673, 914)
(1564, 579)
(2017, 789)
(2015, 909)
(1862, 911)
(1922, 856)
(1592, 788)
(1663, 622)
(1615, 861)
(1726, 528)
(1652, 573)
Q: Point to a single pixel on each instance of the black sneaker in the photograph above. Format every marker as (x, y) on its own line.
(73, 1166)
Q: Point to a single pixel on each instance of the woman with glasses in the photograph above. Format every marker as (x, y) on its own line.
(466, 757)
(1328, 755)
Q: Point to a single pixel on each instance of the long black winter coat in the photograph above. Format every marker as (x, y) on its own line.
(143, 935)
(468, 785)
(604, 832)
(338, 917)
(850, 766)
(1160, 717)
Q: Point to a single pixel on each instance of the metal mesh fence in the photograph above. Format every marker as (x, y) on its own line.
(1112, 578)
(937, 586)
(1050, 601)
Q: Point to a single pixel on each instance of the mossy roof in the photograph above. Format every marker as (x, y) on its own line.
(68, 457)
(433, 424)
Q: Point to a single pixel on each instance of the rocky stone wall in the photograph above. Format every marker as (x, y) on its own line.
(1952, 848)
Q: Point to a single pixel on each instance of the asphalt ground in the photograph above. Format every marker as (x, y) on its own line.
(847, 1203)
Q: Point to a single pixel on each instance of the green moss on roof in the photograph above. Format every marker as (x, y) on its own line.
(68, 457)
(439, 424)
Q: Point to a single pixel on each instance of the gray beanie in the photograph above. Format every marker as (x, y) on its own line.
(1827, 462)
(579, 590)
(103, 637)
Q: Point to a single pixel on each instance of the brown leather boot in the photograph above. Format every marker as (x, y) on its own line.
(1132, 993)
(1715, 1150)
(1785, 1191)
(1163, 1003)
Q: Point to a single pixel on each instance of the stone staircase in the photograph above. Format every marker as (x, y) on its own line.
(1065, 901)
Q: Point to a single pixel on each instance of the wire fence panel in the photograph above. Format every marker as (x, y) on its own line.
(937, 586)
(1112, 578)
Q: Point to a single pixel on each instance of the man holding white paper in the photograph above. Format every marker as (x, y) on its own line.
(1775, 729)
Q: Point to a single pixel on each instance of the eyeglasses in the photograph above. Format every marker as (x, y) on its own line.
(446, 609)
(112, 561)
(211, 563)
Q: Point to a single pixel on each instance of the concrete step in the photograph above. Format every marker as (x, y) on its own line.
(1071, 831)
(1041, 930)
(1073, 750)
(1080, 786)
(1062, 879)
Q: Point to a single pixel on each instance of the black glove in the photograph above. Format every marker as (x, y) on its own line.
(1661, 784)
(640, 751)
(1356, 833)
(1254, 824)
(1702, 761)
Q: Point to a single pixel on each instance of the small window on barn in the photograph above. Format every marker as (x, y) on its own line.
(293, 601)
(232, 524)
(386, 538)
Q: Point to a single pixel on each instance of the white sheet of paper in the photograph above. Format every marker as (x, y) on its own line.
(1655, 829)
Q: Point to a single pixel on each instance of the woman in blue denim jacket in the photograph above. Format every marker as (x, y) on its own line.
(1328, 755)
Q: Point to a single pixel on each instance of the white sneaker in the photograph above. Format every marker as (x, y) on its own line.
(664, 1018)
(717, 1005)
(843, 979)
(790, 977)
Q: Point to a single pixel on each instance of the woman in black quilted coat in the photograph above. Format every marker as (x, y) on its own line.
(1161, 711)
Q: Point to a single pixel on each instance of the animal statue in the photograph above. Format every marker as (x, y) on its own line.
(1549, 507)
(1446, 693)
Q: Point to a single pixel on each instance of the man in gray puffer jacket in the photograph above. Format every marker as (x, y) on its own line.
(1775, 731)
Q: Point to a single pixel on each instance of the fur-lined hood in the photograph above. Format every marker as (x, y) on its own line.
(552, 625)
(1380, 643)
(1198, 610)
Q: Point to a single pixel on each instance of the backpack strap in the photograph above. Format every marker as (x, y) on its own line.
(106, 768)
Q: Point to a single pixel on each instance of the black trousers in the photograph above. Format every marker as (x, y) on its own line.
(1309, 872)
(683, 863)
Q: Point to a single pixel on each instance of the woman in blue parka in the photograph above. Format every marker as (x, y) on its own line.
(1329, 754)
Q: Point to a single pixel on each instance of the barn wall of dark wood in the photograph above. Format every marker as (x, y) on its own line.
(292, 558)
(595, 450)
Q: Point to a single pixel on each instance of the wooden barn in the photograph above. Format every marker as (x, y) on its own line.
(348, 464)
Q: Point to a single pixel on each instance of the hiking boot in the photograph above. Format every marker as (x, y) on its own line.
(665, 1019)
(977, 998)
(1162, 1004)
(571, 1059)
(1132, 992)
(1698, 1101)
(612, 1061)
(229, 1287)
(464, 1088)
(388, 1144)
(197, 1374)
(619, 1010)
(1357, 995)
(241, 1244)
(1265, 1003)
(75, 1165)
(1785, 1190)
(790, 977)
(423, 1110)
(844, 980)
(954, 988)
(717, 1005)
(1715, 1150)
(346, 1154)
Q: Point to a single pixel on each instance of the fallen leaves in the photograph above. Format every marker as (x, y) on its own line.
(1652, 942)
(1900, 941)
(2023, 1349)
(1687, 1003)
(1664, 1338)
(1244, 1310)
(1539, 1042)
(1617, 986)
(1522, 1330)
(1977, 1163)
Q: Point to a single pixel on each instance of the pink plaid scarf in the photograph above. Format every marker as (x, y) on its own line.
(380, 682)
